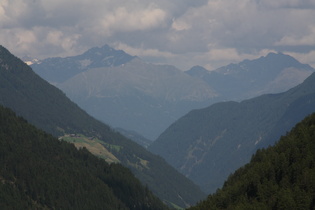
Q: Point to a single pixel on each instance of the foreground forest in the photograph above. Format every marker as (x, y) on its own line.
(37, 171)
(279, 177)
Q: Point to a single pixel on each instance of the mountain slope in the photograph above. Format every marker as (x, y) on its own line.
(280, 177)
(273, 73)
(40, 172)
(48, 108)
(147, 98)
(138, 96)
(208, 144)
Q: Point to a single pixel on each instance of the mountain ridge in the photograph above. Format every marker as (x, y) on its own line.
(273, 73)
(147, 98)
(279, 177)
(56, 70)
(222, 137)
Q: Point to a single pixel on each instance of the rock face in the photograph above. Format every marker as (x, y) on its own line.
(207, 145)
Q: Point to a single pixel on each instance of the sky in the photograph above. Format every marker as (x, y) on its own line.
(183, 33)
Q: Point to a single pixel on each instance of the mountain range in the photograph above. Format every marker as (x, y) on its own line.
(207, 145)
(273, 73)
(47, 107)
(129, 93)
(57, 70)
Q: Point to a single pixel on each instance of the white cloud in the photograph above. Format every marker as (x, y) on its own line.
(121, 19)
(178, 32)
(294, 40)
(180, 25)
(140, 52)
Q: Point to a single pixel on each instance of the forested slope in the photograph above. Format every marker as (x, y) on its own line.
(46, 107)
(37, 171)
(279, 177)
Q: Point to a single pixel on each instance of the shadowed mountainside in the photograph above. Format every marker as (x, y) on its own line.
(207, 145)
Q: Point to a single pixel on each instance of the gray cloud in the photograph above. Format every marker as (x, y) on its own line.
(180, 32)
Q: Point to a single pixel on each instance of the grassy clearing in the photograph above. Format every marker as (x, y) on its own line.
(94, 145)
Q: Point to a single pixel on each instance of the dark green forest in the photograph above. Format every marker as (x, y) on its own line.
(37, 171)
(279, 177)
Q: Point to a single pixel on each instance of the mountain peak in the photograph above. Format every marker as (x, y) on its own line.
(197, 70)
(98, 51)
(104, 56)
(280, 59)
(57, 70)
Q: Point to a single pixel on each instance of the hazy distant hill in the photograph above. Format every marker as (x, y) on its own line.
(208, 144)
(138, 96)
(280, 177)
(273, 73)
(135, 137)
(46, 107)
(40, 172)
(124, 91)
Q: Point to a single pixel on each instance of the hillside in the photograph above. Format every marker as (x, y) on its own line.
(40, 172)
(46, 107)
(207, 145)
(279, 177)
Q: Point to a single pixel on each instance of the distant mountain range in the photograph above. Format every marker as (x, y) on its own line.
(46, 107)
(137, 96)
(207, 145)
(126, 92)
(273, 73)
(57, 70)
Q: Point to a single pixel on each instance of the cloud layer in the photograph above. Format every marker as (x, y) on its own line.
(179, 32)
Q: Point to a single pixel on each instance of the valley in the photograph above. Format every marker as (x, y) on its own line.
(200, 140)
(48, 108)
(123, 91)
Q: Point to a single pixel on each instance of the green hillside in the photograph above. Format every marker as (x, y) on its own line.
(40, 172)
(46, 107)
(279, 177)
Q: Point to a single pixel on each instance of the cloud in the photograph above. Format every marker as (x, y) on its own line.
(143, 52)
(299, 40)
(287, 4)
(122, 20)
(179, 32)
